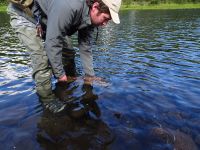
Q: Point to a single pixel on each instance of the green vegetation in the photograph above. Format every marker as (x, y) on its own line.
(155, 2)
(3, 5)
(161, 6)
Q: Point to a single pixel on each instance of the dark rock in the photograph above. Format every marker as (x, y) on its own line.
(197, 139)
(179, 140)
(184, 141)
(117, 115)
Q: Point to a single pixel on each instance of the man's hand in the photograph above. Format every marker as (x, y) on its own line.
(62, 78)
(90, 79)
(95, 80)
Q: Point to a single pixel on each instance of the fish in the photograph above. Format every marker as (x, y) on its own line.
(89, 80)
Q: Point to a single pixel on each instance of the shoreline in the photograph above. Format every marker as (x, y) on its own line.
(145, 7)
(161, 6)
(3, 8)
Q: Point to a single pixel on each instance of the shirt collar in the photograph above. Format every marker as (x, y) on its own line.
(86, 20)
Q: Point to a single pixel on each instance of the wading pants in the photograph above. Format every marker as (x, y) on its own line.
(42, 72)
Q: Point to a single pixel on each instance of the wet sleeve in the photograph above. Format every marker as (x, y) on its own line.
(59, 22)
(85, 46)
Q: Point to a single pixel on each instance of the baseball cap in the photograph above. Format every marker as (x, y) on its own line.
(114, 6)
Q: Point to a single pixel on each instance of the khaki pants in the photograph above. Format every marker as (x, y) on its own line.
(42, 72)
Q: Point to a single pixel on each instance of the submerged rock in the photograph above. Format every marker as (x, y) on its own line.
(179, 140)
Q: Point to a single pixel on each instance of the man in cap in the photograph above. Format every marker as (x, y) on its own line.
(47, 37)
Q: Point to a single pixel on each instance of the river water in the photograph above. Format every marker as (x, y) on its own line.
(151, 62)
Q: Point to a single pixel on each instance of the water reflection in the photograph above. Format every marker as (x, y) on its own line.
(78, 105)
(65, 132)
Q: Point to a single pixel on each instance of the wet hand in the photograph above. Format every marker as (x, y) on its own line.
(95, 80)
(92, 78)
(62, 78)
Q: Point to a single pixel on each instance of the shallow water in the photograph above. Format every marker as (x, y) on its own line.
(151, 62)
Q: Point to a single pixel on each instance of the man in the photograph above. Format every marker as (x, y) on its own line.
(47, 36)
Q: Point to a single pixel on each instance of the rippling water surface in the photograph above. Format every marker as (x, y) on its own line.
(152, 64)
